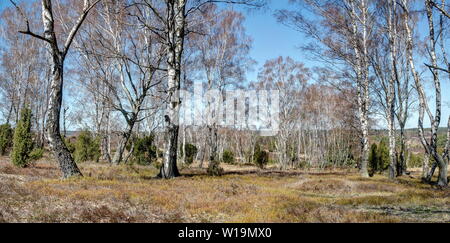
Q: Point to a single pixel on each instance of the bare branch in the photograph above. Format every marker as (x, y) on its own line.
(27, 22)
(77, 26)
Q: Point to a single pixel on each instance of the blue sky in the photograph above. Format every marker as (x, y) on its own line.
(271, 39)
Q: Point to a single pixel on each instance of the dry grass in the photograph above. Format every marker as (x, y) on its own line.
(131, 194)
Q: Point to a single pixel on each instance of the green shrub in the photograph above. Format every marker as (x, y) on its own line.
(144, 152)
(36, 154)
(261, 157)
(191, 152)
(214, 169)
(228, 157)
(6, 138)
(378, 157)
(415, 160)
(23, 142)
(373, 159)
(87, 148)
(383, 153)
(343, 158)
(157, 164)
(70, 146)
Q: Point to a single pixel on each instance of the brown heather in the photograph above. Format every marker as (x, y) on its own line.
(244, 194)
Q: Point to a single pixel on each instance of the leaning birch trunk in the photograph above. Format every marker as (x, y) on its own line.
(176, 29)
(440, 160)
(431, 148)
(118, 156)
(430, 172)
(421, 93)
(57, 145)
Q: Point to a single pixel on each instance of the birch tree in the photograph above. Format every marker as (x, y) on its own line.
(57, 56)
(441, 160)
(384, 62)
(128, 59)
(343, 39)
(222, 60)
(430, 144)
(25, 76)
(392, 87)
(172, 27)
(290, 78)
(392, 36)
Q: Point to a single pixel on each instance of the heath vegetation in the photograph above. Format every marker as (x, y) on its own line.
(157, 111)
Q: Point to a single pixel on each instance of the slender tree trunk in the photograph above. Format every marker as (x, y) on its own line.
(441, 162)
(64, 122)
(391, 89)
(425, 166)
(430, 148)
(430, 173)
(104, 135)
(392, 155)
(362, 81)
(57, 145)
(118, 156)
(212, 140)
(401, 164)
(104, 148)
(183, 148)
(8, 117)
(365, 147)
(176, 32)
(365, 87)
(203, 151)
(443, 174)
(214, 163)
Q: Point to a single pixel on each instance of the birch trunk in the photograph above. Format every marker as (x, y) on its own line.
(176, 32)
(362, 79)
(118, 155)
(430, 147)
(402, 163)
(391, 89)
(214, 163)
(440, 160)
(183, 148)
(425, 166)
(57, 145)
